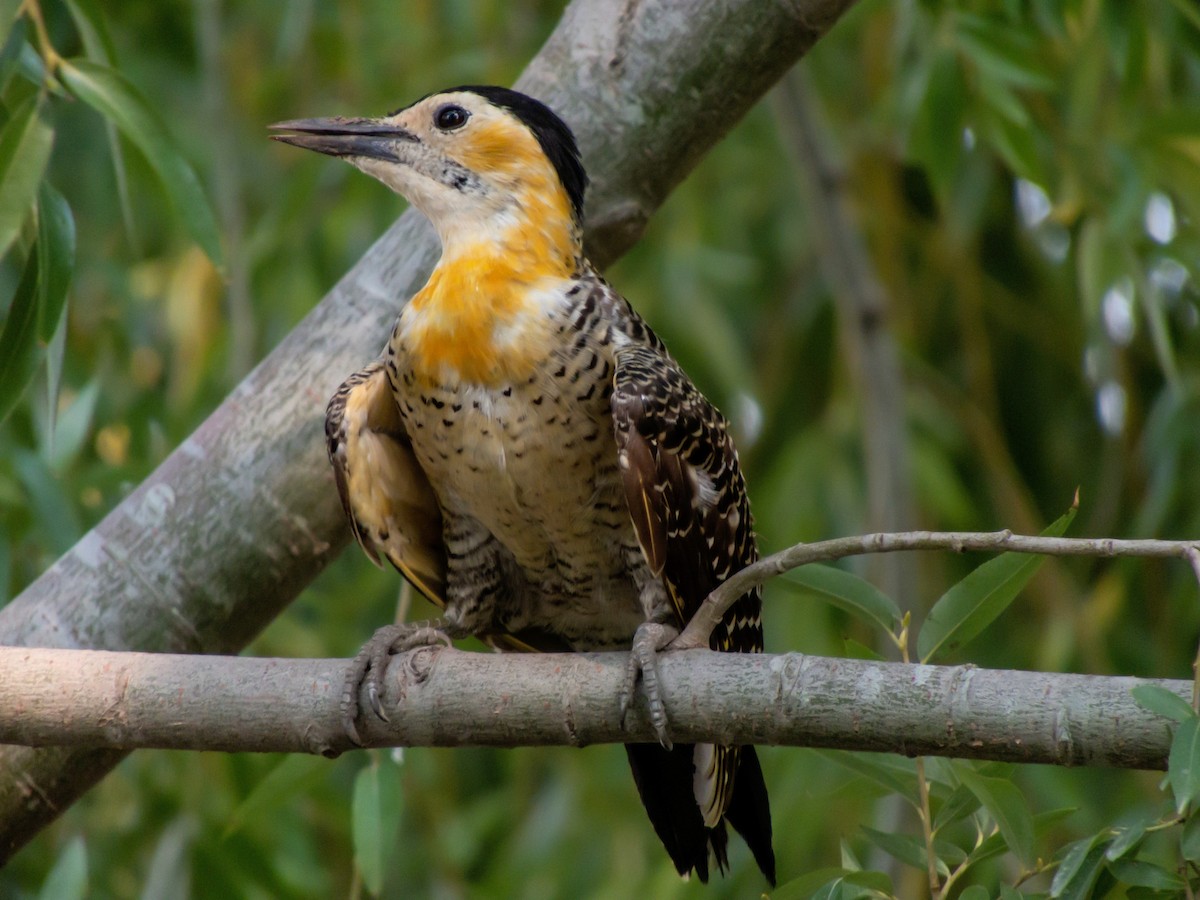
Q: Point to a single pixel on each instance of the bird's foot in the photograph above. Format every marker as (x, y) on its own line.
(371, 662)
(649, 638)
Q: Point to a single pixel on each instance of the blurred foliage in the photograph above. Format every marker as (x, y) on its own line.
(1027, 177)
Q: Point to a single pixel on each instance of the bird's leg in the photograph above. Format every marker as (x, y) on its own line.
(651, 636)
(371, 662)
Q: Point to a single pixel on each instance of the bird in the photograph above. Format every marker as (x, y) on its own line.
(528, 454)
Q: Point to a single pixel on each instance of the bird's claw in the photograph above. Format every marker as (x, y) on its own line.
(369, 665)
(649, 638)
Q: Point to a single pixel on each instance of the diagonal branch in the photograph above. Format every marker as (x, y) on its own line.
(865, 326)
(242, 516)
(440, 697)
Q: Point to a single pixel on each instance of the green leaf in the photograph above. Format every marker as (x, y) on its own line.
(25, 143)
(10, 53)
(64, 437)
(1015, 144)
(974, 603)
(56, 355)
(894, 775)
(995, 845)
(937, 133)
(1008, 809)
(1002, 52)
(32, 68)
(294, 773)
(18, 341)
(8, 17)
(1183, 763)
(1127, 838)
(908, 848)
(93, 31)
(849, 860)
(853, 649)
(1005, 104)
(57, 515)
(68, 879)
(1162, 701)
(98, 45)
(879, 882)
(5, 571)
(808, 884)
(1140, 873)
(1079, 869)
(975, 892)
(1155, 312)
(846, 591)
(110, 94)
(1096, 264)
(960, 804)
(1044, 821)
(376, 818)
(838, 889)
(56, 257)
(1189, 839)
(853, 885)
(169, 873)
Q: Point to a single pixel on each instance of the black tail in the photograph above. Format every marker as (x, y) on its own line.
(750, 811)
(664, 781)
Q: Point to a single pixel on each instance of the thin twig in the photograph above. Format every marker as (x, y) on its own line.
(962, 867)
(927, 826)
(33, 11)
(714, 607)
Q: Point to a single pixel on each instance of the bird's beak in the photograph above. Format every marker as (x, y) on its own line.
(338, 136)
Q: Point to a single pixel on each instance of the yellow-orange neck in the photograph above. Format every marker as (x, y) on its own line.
(480, 317)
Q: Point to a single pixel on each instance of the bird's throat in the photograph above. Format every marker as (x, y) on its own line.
(482, 316)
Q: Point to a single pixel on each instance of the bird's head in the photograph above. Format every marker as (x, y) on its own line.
(478, 161)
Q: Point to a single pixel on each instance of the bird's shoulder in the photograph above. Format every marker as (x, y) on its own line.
(595, 307)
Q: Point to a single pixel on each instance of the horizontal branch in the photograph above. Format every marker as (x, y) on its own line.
(718, 602)
(440, 697)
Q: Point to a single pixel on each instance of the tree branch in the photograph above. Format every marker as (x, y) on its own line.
(713, 609)
(446, 698)
(243, 515)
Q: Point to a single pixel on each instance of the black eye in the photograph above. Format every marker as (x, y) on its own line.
(450, 117)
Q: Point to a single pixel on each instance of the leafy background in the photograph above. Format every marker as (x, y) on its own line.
(1026, 176)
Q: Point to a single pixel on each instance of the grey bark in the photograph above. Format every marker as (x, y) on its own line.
(243, 515)
(440, 697)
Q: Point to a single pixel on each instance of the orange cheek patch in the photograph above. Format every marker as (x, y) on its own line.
(509, 153)
(500, 147)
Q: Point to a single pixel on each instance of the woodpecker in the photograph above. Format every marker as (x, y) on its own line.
(526, 452)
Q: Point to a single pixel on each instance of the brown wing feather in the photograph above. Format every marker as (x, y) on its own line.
(690, 511)
(684, 488)
(391, 507)
(640, 475)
